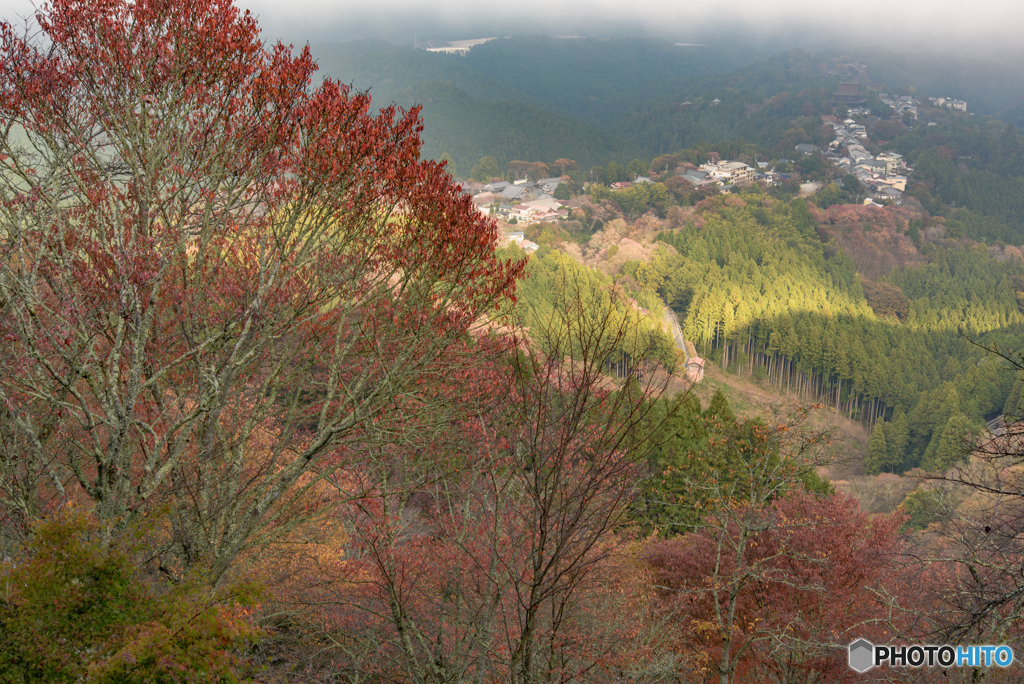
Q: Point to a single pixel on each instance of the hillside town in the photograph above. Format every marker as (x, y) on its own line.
(881, 175)
(522, 201)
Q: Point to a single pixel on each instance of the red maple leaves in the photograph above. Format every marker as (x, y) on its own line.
(205, 256)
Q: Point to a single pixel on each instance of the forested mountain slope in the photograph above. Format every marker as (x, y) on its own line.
(767, 298)
(767, 289)
(597, 79)
(461, 126)
(627, 86)
(990, 84)
(638, 98)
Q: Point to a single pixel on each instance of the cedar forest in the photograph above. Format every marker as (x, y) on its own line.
(277, 404)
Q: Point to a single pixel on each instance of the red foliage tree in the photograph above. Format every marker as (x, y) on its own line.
(783, 605)
(212, 275)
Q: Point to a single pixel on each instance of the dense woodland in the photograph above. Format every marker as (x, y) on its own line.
(275, 405)
(762, 297)
(765, 290)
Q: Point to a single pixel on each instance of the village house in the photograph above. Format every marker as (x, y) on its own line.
(483, 202)
(904, 104)
(898, 182)
(698, 179)
(549, 185)
(891, 160)
(544, 201)
(949, 103)
(729, 172)
(512, 192)
(888, 192)
(521, 213)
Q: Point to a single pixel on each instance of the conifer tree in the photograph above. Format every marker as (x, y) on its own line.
(898, 438)
(877, 459)
(948, 446)
(718, 410)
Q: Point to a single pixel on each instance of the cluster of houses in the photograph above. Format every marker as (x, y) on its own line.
(524, 201)
(883, 175)
(729, 173)
(902, 104)
(726, 174)
(956, 105)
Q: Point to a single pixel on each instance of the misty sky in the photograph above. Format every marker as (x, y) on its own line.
(928, 21)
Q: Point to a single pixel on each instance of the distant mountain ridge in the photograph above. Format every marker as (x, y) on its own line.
(540, 98)
(522, 97)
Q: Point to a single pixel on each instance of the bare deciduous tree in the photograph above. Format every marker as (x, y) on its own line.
(510, 566)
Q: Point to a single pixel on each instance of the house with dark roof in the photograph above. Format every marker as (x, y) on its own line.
(549, 185)
(699, 179)
(512, 192)
(848, 93)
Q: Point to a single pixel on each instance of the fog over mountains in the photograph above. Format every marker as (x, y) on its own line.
(947, 23)
(983, 28)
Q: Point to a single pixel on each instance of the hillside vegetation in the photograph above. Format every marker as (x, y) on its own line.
(279, 402)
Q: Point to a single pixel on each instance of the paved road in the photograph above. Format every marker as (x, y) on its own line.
(677, 334)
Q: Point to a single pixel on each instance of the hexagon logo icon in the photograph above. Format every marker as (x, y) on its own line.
(862, 654)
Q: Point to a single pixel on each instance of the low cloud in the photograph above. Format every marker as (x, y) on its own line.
(949, 21)
(938, 24)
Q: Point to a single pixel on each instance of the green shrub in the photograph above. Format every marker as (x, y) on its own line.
(76, 608)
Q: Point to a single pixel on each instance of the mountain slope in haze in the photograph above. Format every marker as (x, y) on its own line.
(591, 78)
(758, 103)
(524, 97)
(989, 85)
(467, 128)
(385, 70)
(541, 98)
